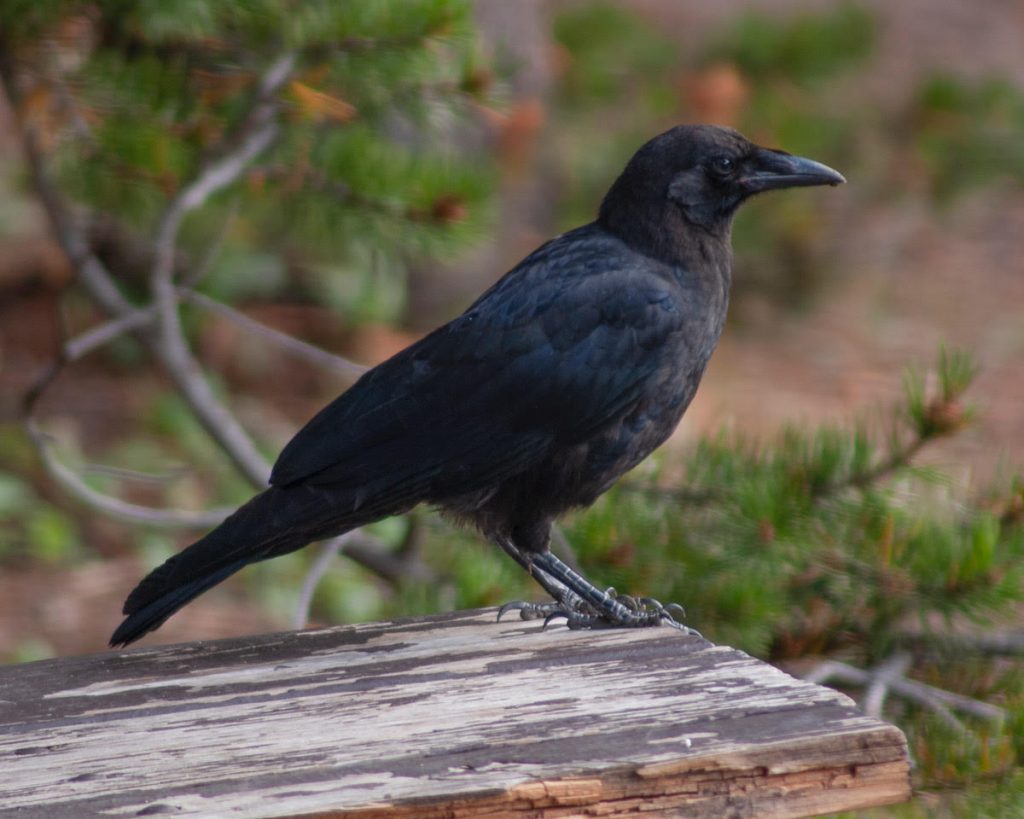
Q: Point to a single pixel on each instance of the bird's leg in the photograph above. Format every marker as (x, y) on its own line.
(559, 591)
(605, 609)
(579, 601)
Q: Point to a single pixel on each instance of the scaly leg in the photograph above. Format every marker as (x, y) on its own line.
(580, 602)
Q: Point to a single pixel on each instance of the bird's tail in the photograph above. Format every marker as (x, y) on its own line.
(269, 525)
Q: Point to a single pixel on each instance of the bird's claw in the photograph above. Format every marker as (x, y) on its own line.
(530, 611)
(641, 612)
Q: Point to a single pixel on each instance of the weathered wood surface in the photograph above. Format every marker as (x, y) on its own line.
(444, 716)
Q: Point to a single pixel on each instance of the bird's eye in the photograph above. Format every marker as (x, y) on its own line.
(723, 165)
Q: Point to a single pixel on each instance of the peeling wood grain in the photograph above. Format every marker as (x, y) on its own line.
(449, 716)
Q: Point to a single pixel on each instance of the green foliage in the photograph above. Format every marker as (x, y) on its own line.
(807, 546)
(364, 163)
(635, 90)
(808, 48)
(789, 67)
(968, 135)
(31, 528)
(590, 33)
(828, 542)
(27, 19)
(363, 198)
(930, 418)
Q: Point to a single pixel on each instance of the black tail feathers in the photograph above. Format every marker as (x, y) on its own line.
(270, 524)
(148, 616)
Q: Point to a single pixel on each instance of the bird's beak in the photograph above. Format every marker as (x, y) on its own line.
(769, 169)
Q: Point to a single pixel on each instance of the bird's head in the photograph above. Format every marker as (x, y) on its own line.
(698, 175)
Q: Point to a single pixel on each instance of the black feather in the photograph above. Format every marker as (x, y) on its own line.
(566, 373)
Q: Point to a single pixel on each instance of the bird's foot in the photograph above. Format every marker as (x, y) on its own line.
(530, 611)
(568, 602)
(632, 612)
(620, 611)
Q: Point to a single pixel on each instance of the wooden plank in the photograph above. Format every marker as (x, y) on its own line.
(446, 716)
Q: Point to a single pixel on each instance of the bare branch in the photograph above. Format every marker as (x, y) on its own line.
(201, 269)
(90, 340)
(999, 644)
(370, 553)
(214, 178)
(113, 507)
(881, 681)
(218, 421)
(89, 270)
(316, 572)
(135, 476)
(394, 567)
(932, 696)
(312, 353)
(73, 350)
(170, 343)
(937, 699)
(170, 347)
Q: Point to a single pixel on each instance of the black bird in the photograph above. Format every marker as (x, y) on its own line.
(565, 374)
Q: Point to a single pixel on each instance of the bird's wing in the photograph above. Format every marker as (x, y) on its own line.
(556, 349)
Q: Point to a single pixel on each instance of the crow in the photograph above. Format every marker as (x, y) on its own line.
(569, 371)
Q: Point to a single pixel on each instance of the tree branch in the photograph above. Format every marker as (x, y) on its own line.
(113, 507)
(310, 352)
(72, 350)
(368, 552)
(890, 677)
(170, 343)
(158, 326)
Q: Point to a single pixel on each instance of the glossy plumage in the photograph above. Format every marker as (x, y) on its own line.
(565, 374)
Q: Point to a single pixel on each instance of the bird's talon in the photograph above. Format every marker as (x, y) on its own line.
(507, 607)
(676, 611)
(527, 611)
(554, 616)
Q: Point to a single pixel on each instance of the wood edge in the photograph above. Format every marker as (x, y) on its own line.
(878, 776)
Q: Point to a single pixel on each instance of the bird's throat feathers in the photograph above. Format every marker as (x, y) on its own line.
(663, 231)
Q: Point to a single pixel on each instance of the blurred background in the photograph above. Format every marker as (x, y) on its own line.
(196, 198)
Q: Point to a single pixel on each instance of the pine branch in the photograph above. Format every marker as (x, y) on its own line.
(1000, 644)
(897, 459)
(168, 345)
(344, 194)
